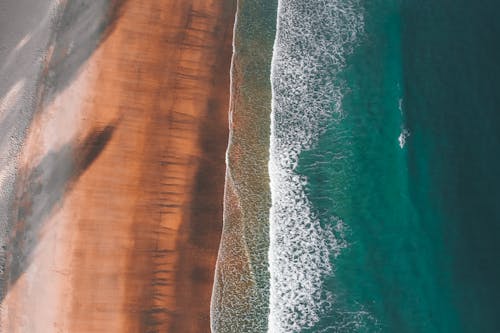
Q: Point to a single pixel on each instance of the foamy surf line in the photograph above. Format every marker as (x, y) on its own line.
(312, 41)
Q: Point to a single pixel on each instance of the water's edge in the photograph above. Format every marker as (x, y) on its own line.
(240, 296)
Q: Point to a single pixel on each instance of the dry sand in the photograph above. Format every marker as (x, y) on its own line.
(122, 174)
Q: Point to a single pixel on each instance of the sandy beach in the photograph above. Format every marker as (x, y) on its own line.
(119, 193)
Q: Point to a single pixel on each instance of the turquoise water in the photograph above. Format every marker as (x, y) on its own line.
(383, 167)
(394, 275)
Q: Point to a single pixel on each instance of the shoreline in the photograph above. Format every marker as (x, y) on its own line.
(240, 294)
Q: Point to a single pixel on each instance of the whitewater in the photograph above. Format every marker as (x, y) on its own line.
(312, 41)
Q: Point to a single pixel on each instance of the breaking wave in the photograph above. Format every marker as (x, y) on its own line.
(312, 41)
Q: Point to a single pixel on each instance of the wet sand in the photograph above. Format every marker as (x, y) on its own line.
(126, 167)
(241, 288)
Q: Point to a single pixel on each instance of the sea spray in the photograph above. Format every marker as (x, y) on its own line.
(241, 287)
(312, 41)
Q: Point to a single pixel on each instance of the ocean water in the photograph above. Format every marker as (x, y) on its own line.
(452, 85)
(383, 166)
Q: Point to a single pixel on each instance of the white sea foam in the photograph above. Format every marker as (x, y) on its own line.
(402, 137)
(312, 41)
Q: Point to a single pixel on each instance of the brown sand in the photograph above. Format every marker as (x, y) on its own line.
(132, 245)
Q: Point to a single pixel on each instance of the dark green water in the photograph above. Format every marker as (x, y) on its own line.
(452, 88)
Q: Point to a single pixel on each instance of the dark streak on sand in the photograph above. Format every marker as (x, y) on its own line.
(92, 147)
(43, 189)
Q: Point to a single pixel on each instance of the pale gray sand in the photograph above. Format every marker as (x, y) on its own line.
(25, 32)
(43, 43)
